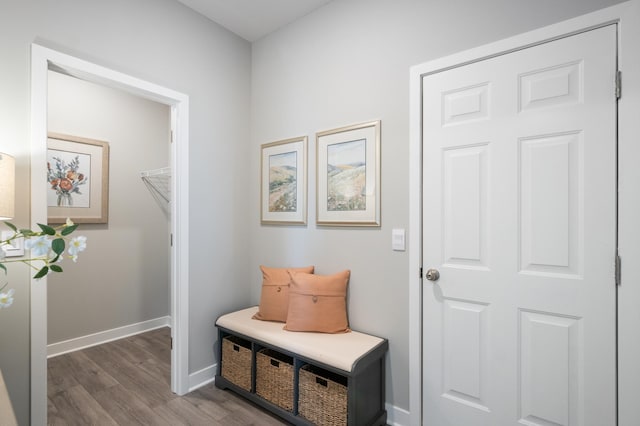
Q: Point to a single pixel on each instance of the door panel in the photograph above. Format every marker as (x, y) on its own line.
(465, 205)
(465, 361)
(549, 392)
(520, 219)
(550, 190)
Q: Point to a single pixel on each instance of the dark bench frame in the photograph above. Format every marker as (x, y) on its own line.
(365, 382)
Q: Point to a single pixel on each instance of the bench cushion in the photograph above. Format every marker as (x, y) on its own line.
(337, 350)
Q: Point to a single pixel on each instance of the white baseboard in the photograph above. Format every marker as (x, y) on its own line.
(397, 416)
(202, 377)
(101, 337)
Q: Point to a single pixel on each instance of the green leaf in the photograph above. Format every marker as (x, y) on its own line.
(56, 268)
(3, 267)
(42, 272)
(68, 229)
(12, 226)
(47, 229)
(55, 259)
(57, 245)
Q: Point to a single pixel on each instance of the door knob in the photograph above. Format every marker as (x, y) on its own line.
(433, 274)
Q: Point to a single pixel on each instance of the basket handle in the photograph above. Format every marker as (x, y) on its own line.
(236, 348)
(275, 363)
(321, 382)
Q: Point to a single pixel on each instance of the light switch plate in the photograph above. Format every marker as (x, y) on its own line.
(397, 239)
(15, 248)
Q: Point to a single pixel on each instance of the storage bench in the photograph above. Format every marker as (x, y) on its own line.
(336, 378)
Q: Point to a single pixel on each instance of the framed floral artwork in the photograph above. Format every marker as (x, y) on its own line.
(77, 179)
(283, 177)
(348, 176)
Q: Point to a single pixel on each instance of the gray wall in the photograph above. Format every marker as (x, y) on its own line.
(165, 43)
(89, 297)
(347, 63)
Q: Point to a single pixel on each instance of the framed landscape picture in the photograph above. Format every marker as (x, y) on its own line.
(348, 176)
(283, 177)
(77, 179)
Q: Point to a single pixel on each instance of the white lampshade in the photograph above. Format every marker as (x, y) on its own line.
(7, 186)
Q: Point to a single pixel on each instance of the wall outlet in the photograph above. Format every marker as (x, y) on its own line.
(13, 249)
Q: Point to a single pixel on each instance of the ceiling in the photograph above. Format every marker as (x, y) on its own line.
(253, 19)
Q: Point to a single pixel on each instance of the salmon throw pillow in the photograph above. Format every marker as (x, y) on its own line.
(274, 299)
(318, 303)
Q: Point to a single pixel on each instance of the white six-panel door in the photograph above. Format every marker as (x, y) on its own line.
(520, 221)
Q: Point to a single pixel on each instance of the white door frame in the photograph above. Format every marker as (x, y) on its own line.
(627, 15)
(42, 59)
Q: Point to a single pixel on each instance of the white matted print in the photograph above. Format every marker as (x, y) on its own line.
(348, 176)
(283, 177)
(77, 179)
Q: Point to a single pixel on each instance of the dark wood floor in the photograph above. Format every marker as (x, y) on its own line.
(127, 382)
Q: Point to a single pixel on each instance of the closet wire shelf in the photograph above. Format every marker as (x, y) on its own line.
(159, 183)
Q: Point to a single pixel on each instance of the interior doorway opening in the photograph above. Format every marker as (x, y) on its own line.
(44, 60)
(98, 140)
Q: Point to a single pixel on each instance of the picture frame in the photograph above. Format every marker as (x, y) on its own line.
(348, 176)
(77, 179)
(283, 182)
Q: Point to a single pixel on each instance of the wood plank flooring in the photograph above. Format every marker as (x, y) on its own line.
(127, 382)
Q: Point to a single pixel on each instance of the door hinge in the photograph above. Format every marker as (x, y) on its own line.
(171, 239)
(171, 342)
(421, 272)
(172, 136)
(618, 84)
(618, 269)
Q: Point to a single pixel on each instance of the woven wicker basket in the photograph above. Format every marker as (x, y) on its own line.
(322, 396)
(274, 378)
(236, 361)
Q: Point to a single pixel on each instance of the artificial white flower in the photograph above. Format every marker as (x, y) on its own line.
(39, 246)
(77, 245)
(6, 298)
